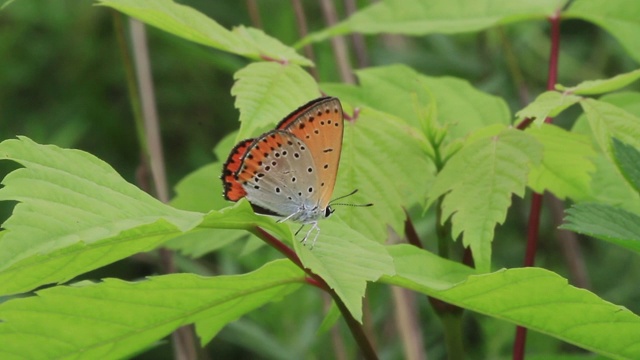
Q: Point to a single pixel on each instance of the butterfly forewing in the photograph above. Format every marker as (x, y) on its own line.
(320, 124)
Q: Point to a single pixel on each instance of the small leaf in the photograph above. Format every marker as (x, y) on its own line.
(75, 214)
(609, 121)
(547, 104)
(593, 87)
(192, 25)
(267, 92)
(566, 165)
(605, 222)
(619, 18)
(560, 310)
(115, 319)
(628, 160)
(478, 182)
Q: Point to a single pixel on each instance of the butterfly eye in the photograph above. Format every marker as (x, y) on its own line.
(328, 211)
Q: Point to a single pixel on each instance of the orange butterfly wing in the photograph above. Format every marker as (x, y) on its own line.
(320, 124)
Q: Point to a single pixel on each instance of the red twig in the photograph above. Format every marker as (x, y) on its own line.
(536, 201)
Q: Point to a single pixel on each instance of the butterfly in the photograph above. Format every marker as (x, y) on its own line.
(290, 171)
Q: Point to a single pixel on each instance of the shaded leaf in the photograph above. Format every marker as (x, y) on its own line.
(605, 222)
(628, 160)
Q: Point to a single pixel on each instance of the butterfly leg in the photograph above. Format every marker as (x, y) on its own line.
(297, 232)
(313, 227)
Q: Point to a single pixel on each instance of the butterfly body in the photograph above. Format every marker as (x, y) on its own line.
(291, 170)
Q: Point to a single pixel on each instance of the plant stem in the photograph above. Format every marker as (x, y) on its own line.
(452, 325)
(354, 326)
(536, 200)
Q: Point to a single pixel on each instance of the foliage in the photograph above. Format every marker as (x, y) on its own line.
(434, 152)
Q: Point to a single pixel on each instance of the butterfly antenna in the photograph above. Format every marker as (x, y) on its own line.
(332, 202)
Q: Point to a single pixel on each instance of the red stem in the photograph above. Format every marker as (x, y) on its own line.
(536, 200)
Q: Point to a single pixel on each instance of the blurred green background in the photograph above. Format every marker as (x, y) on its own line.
(62, 82)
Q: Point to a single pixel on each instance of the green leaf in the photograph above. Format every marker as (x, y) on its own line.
(419, 17)
(390, 180)
(592, 87)
(605, 222)
(192, 25)
(566, 165)
(403, 92)
(267, 92)
(75, 214)
(570, 314)
(478, 182)
(115, 319)
(464, 109)
(612, 187)
(547, 104)
(609, 121)
(628, 160)
(201, 190)
(620, 18)
(346, 260)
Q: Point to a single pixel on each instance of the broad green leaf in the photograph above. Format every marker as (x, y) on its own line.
(440, 107)
(478, 182)
(547, 104)
(620, 18)
(267, 92)
(462, 109)
(420, 17)
(75, 214)
(346, 260)
(592, 87)
(390, 179)
(201, 190)
(403, 92)
(607, 121)
(605, 222)
(574, 315)
(566, 165)
(115, 319)
(192, 25)
(628, 160)
(395, 89)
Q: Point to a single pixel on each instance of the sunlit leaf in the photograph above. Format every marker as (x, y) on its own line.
(114, 319)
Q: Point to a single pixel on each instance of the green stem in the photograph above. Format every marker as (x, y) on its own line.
(452, 326)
